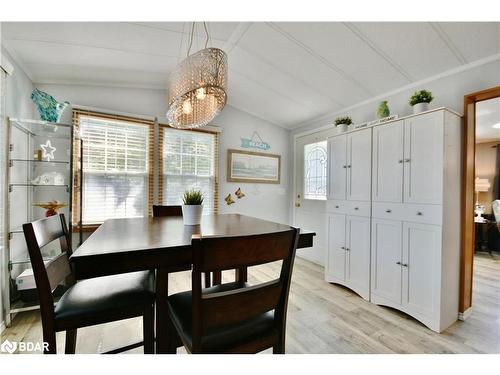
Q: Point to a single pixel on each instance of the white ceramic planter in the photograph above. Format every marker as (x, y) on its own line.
(342, 128)
(191, 214)
(420, 107)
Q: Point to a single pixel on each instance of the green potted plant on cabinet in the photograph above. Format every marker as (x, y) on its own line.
(341, 124)
(420, 101)
(192, 207)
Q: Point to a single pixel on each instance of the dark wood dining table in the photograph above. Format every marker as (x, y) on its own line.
(162, 244)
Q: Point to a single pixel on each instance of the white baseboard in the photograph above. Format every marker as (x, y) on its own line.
(464, 315)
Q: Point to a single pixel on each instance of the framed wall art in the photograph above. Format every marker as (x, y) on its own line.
(253, 167)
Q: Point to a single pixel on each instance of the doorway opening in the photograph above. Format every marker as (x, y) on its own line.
(480, 266)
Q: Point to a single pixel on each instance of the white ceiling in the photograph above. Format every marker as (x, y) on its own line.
(487, 115)
(285, 73)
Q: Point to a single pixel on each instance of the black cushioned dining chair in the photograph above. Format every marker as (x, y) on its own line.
(87, 302)
(234, 317)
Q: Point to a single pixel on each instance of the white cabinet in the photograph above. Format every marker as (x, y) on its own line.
(336, 247)
(386, 256)
(359, 152)
(358, 255)
(421, 266)
(394, 237)
(388, 162)
(423, 158)
(337, 171)
(350, 166)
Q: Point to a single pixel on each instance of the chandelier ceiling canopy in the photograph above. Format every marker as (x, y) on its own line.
(197, 87)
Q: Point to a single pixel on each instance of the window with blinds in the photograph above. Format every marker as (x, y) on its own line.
(116, 171)
(189, 161)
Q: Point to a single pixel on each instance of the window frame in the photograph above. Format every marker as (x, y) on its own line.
(216, 135)
(77, 114)
(304, 178)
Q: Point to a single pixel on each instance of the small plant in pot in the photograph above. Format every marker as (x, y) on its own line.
(341, 123)
(192, 207)
(420, 101)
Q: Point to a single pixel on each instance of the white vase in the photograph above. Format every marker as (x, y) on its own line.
(342, 128)
(420, 107)
(191, 214)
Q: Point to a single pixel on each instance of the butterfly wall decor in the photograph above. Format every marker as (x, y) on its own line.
(229, 200)
(239, 194)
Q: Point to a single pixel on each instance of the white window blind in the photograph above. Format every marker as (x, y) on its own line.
(188, 163)
(115, 169)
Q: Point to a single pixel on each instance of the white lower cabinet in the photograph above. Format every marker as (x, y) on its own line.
(349, 252)
(406, 268)
(386, 256)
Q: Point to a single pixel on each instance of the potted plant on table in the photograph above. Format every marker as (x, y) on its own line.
(192, 207)
(420, 101)
(341, 123)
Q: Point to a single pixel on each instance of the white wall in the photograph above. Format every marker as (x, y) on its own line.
(448, 92)
(18, 104)
(263, 200)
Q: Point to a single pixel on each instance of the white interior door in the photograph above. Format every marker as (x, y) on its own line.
(386, 255)
(358, 254)
(359, 164)
(388, 163)
(310, 193)
(336, 247)
(423, 161)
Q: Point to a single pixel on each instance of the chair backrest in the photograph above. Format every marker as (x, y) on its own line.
(217, 254)
(47, 276)
(167, 211)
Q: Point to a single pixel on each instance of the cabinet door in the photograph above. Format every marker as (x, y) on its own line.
(421, 268)
(386, 255)
(388, 162)
(359, 155)
(358, 254)
(337, 167)
(423, 161)
(336, 246)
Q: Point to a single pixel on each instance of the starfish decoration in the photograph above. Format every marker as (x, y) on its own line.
(48, 150)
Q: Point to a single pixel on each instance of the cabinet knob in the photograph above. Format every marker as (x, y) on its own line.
(400, 161)
(342, 247)
(336, 206)
(347, 249)
(398, 263)
(407, 160)
(356, 208)
(349, 166)
(388, 211)
(404, 265)
(344, 166)
(419, 213)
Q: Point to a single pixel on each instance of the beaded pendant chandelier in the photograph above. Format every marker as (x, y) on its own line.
(197, 87)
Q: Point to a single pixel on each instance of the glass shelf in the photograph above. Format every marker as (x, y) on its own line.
(42, 128)
(40, 161)
(38, 185)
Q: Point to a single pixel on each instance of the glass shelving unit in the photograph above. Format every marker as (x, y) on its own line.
(45, 165)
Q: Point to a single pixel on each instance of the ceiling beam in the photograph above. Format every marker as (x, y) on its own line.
(320, 58)
(364, 38)
(443, 35)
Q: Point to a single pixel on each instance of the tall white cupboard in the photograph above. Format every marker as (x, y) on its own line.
(394, 214)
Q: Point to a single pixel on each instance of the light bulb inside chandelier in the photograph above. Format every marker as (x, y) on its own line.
(197, 88)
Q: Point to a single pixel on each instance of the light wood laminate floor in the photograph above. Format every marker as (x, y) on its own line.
(324, 318)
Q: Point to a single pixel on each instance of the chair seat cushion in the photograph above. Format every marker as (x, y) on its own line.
(92, 300)
(221, 338)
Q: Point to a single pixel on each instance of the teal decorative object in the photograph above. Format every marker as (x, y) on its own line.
(48, 107)
(383, 110)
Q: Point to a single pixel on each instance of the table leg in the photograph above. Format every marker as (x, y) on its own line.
(241, 274)
(161, 311)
